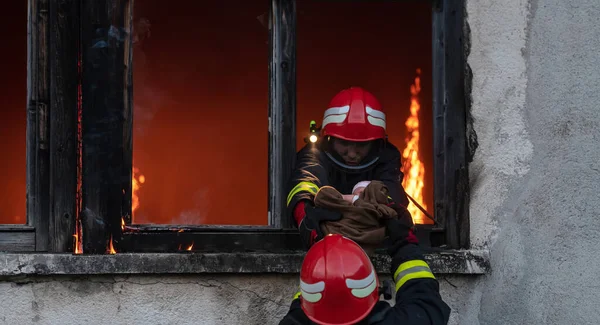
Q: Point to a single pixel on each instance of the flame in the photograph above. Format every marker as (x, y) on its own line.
(78, 236)
(110, 249)
(189, 248)
(136, 183)
(77, 245)
(122, 224)
(414, 169)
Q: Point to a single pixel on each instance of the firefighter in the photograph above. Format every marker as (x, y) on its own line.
(339, 285)
(352, 146)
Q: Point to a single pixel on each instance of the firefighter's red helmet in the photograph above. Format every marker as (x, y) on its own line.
(338, 282)
(354, 114)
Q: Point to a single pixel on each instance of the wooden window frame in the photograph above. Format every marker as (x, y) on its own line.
(79, 135)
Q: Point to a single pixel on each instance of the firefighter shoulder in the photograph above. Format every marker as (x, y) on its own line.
(339, 285)
(352, 115)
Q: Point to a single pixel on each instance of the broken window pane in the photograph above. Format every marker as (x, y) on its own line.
(13, 118)
(200, 112)
(378, 46)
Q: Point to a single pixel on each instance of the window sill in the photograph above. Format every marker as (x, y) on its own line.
(11, 264)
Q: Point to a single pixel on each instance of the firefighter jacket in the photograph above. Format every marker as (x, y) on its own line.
(418, 301)
(314, 169)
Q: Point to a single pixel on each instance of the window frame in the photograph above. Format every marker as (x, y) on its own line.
(33, 235)
(61, 117)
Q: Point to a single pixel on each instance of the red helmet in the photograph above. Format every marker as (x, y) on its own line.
(338, 282)
(354, 114)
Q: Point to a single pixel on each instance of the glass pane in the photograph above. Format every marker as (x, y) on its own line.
(13, 118)
(378, 46)
(200, 112)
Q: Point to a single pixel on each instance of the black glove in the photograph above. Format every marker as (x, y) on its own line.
(310, 227)
(399, 232)
(400, 242)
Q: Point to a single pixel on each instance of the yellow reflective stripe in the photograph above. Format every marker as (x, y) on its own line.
(302, 186)
(415, 275)
(416, 269)
(297, 295)
(409, 264)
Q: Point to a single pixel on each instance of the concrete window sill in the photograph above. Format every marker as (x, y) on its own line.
(12, 264)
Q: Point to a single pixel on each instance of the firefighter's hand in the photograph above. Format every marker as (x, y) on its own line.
(399, 232)
(310, 227)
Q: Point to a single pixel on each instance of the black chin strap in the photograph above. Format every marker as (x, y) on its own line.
(349, 167)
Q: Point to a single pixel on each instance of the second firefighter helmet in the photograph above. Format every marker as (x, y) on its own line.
(338, 282)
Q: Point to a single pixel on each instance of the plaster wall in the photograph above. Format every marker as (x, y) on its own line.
(536, 174)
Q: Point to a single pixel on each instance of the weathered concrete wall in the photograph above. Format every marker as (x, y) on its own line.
(535, 197)
(202, 299)
(207, 299)
(536, 174)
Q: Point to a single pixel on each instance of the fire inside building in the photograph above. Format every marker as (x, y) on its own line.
(201, 97)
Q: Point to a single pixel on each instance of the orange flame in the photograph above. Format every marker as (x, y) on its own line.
(122, 224)
(136, 183)
(414, 172)
(78, 236)
(189, 248)
(77, 244)
(111, 249)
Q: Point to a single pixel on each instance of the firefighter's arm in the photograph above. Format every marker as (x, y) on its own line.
(418, 300)
(295, 315)
(308, 176)
(388, 172)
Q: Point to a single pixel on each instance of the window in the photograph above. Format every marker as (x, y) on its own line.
(17, 231)
(148, 134)
(201, 101)
(13, 89)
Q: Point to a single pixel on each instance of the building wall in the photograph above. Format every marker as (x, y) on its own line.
(536, 175)
(535, 181)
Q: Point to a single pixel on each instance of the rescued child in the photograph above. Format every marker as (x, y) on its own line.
(362, 211)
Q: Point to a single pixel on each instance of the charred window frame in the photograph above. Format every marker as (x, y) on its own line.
(451, 105)
(34, 234)
(79, 135)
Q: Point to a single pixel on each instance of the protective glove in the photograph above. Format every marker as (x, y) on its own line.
(399, 234)
(310, 227)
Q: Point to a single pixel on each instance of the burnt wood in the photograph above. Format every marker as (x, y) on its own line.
(200, 228)
(64, 86)
(210, 241)
(226, 239)
(128, 116)
(449, 111)
(37, 122)
(282, 107)
(105, 108)
(17, 238)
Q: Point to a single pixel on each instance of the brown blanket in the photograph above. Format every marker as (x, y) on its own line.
(361, 220)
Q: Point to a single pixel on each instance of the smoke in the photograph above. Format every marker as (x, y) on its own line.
(147, 99)
(197, 214)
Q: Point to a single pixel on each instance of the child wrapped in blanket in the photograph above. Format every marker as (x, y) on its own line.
(362, 212)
